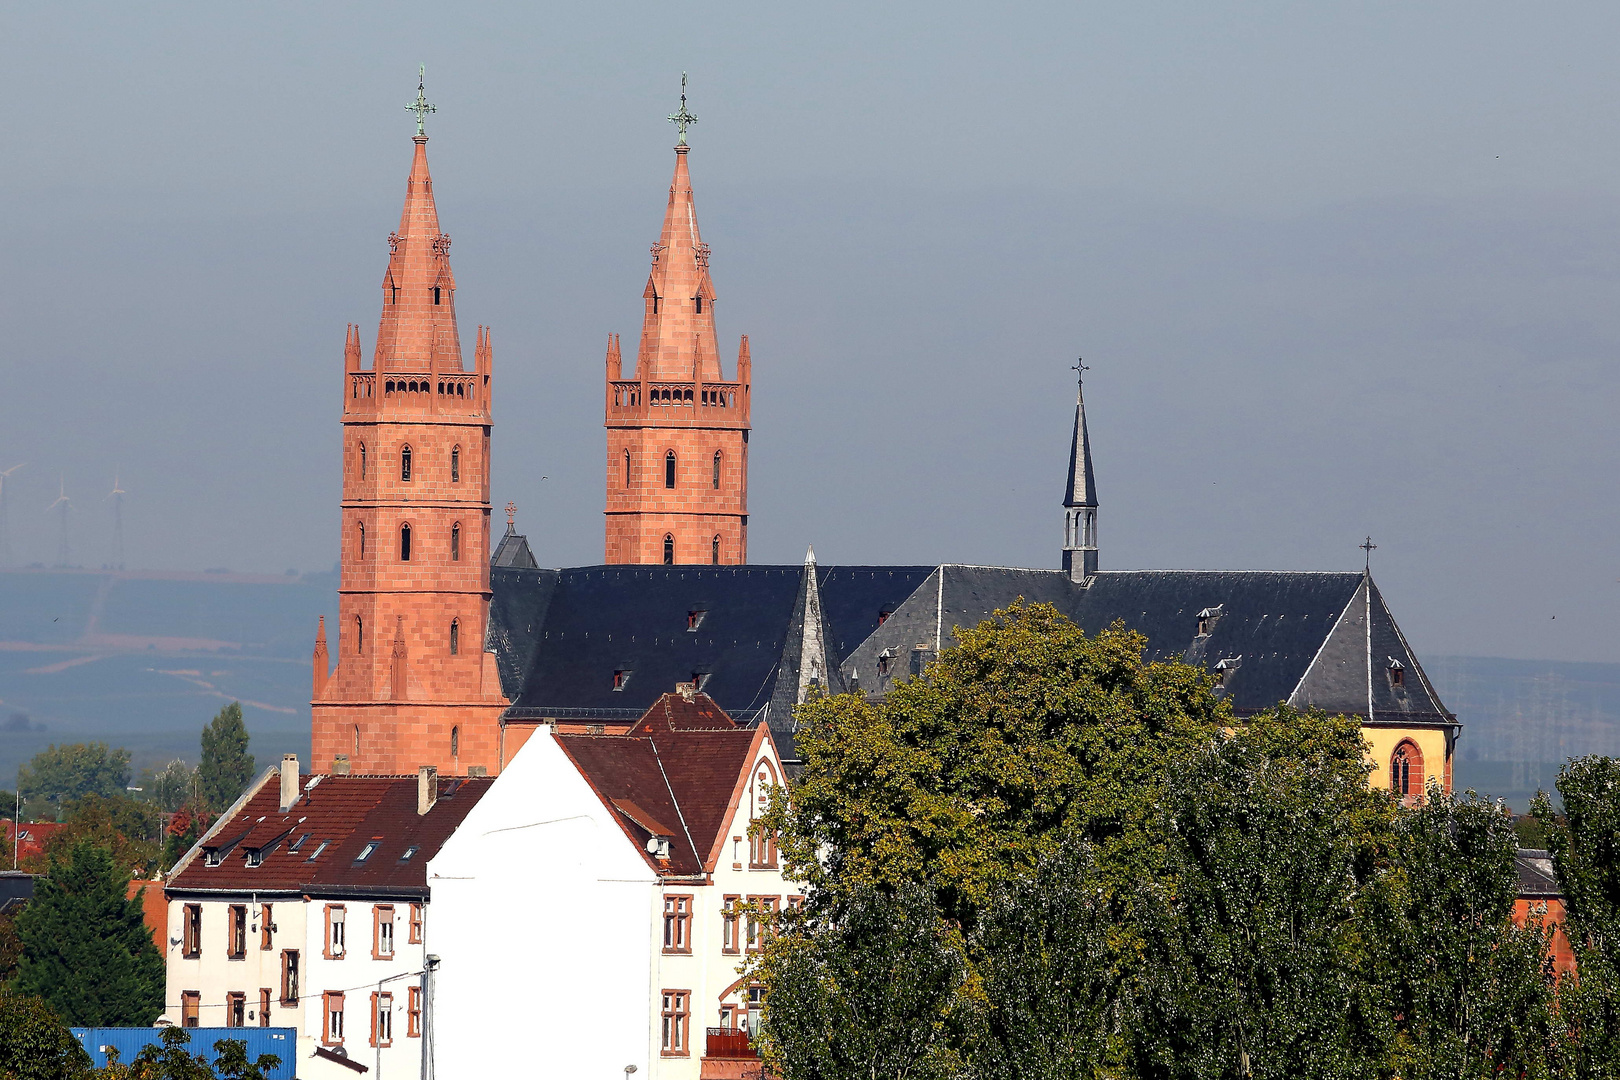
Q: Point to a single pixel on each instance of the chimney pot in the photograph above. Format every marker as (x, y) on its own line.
(427, 788)
(289, 781)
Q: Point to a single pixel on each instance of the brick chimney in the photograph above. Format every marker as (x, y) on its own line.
(289, 781)
(427, 789)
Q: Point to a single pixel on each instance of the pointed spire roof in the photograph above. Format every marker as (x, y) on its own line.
(677, 338)
(1081, 489)
(414, 329)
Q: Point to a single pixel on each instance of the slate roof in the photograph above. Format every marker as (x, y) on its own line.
(679, 781)
(1536, 876)
(344, 813)
(1081, 490)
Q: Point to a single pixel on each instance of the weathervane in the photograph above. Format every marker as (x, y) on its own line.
(420, 106)
(682, 119)
(1369, 547)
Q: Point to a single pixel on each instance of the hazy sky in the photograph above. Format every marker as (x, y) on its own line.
(1338, 269)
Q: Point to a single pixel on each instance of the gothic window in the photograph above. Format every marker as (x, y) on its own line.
(404, 543)
(669, 550)
(405, 463)
(627, 468)
(455, 742)
(455, 637)
(655, 303)
(669, 469)
(699, 300)
(435, 294)
(717, 470)
(357, 741)
(362, 461)
(714, 551)
(359, 635)
(455, 542)
(455, 465)
(361, 530)
(1406, 770)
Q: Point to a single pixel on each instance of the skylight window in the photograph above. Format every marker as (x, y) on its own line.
(298, 843)
(366, 852)
(409, 852)
(694, 618)
(317, 852)
(620, 677)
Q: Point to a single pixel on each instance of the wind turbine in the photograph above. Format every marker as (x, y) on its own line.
(5, 534)
(64, 502)
(117, 496)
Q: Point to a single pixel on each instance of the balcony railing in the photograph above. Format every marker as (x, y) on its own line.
(730, 1043)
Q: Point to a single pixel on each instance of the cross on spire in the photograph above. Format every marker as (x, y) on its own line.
(683, 119)
(1369, 547)
(420, 106)
(511, 514)
(1080, 367)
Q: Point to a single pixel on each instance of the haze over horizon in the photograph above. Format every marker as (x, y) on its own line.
(1336, 273)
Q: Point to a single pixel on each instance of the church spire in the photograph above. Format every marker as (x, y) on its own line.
(1080, 494)
(419, 310)
(677, 336)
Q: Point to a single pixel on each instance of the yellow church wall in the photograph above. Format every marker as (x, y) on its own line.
(1431, 743)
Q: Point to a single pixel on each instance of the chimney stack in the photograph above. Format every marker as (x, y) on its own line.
(289, 781)
(427, 788)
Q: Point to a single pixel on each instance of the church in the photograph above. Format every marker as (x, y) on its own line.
(448, 657)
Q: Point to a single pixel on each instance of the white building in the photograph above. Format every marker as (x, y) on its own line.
(584, 910)
(306, 906)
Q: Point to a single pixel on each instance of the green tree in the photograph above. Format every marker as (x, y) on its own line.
(126, 827)
(870, 983)
(35, 1044)
(1585, 846)
(226, 766)
(85, 948)
(232, 1061)
(167, 1059)
(1473, 990)
(58, 774)
(170, 787)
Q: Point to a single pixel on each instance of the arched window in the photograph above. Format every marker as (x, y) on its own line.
(669, 550)
(699, 299)
(359, 635)
(714, 551)
(405, 463)
(455, 465)
(455, 742)
(455, 542)
(362, 461)
(1406, 770)
(627, 468)
(357, 740)
(717, 470)
(436, 294)
(404, 543)
(455, 637)
(669, 469)
(361, 529)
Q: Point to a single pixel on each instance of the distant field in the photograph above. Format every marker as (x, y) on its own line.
(144, 660)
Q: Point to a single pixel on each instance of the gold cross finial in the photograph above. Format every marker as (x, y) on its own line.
(420, 106)
(683, 119)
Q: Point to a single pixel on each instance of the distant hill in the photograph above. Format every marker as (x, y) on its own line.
(144, 659)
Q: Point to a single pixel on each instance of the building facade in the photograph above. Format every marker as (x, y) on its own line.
(405, 680)
(603, 899)
(677, 430)
(306, 906)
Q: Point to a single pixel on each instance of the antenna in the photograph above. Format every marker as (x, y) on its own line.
(117, 496)
(64, 503)
(5, 533)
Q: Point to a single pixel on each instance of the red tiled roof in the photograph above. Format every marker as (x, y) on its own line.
(673, 712)
(345, 813)
(34, 835)
(684, 780)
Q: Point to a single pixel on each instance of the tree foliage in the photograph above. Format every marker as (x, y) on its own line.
(59, 774)
(226, 766)
(35, 1044)
(126, 827)
(85, 949)
(170, 787)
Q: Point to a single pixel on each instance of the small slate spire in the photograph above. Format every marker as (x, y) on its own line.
(1080, 494)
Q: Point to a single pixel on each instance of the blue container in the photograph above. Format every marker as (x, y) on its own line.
(280, 1041)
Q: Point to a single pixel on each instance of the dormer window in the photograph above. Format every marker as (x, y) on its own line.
(884, 659)
(621, 677)
(1208, 618)
(255, 857)
(212, 857)
(883, 615)
(700, 679)
(694, 618)
(1397, 673)
(1225, 668)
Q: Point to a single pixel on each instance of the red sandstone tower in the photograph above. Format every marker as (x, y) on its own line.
(413, 685)
(677, 433)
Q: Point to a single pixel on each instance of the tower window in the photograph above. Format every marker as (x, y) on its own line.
(669, 550)
(1397, 672)
(455, 542)
(455, 742)
(356, 748)
(669, 469)
(362, 461)
(627, 468)
(655, 303)
(405, 463)
(361, 530)
(436, 294)
(1400, 771)
(404, 543)
(359, 635)
(714, 551)
(717, 470)
(455, 465)
(455, 637)
(699, 300)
